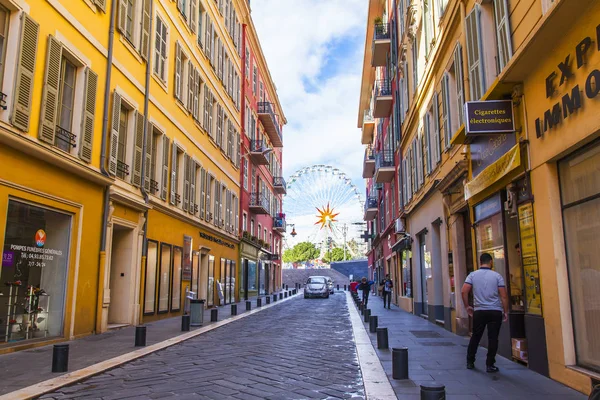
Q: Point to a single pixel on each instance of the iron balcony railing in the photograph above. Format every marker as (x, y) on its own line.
(369, 153)
(258, 146)
(382, 31)
(153, 186)
(278, 181)
(368, 116)
(371, 202)
(279, 222)
(383, 87)
(65, 136)
(264, 107)
(378, 186)
(384, 158)
(122, 169)
(3, 101)
(259, 200)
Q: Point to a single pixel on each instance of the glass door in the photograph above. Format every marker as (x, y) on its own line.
(426, 277)
(210, 298)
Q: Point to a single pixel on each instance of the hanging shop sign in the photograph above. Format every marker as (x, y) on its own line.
(489, 117)
(508, 162)
(186, 271)
(485, 150)
(573, 100)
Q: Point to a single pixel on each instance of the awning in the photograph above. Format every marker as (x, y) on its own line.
(403, 244)
(492, 173)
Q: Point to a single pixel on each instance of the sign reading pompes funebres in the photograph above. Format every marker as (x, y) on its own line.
(489, 117)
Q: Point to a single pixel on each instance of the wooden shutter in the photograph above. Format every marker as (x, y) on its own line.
(114, 134)
(148, 155)
(180, 5)
(446, 118)
(178, 68)
(217, 187)
(173, 174)
(193, 187)
(138, 154)
(21, 110)
(203, 178)
(238, 150)
(165, 167)
(186, 182)
(460, 83)
(436, 130)
(475, 53)
(101, 4)
(122, 17)
(49, 108)
(194, 16)
(207, 36)
(191, 86)
(145, 39)
(503, 33)
(219, 124)
(89, 110)
(196, 99)
(427, 143)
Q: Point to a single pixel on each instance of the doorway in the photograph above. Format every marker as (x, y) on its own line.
(466, 220)
(426, 277)
(121, 282)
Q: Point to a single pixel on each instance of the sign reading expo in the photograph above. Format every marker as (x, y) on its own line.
(489, 117)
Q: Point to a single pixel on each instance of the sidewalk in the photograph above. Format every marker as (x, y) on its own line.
(439, 356)
(28, 367)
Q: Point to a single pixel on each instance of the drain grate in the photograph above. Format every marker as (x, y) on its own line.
(437, 344)
(426, 334)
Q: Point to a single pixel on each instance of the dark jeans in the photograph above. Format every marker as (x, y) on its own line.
(365, 297)
(493, 320)
(388, 296)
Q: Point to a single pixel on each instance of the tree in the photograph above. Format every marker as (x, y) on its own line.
(337, 254)
(303, 251)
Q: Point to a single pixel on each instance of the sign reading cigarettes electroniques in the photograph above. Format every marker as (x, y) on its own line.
(489, 117)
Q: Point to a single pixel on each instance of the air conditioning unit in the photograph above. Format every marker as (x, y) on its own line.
(400, 226)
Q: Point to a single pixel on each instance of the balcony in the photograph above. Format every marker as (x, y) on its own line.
(267, 116)
(384, 166)
(368, 127)
(279, 224)
(279, 185)
(259, 151)
(381, 44)
(368, 163)
(259, 203)
(370, 208)
(383, 98)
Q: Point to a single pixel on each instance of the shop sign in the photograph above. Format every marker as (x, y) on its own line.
(529, 259)
(485, 150)
(573, 99)
(488, 207)
(489, 117)
(186, 271)
(216, 240)
(491, 174)
(8, 258)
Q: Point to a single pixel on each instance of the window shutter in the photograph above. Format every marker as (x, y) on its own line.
(191, 86)
(178, 71)
(89, 110)
(138, 155)
(194, 16)
(186, 182)
(446, 110)
(427, 143)
(122, 17)
(436, 130)
(21, 110)
(216, 195)
(207, 37)
(114, 134)
(173, 174)
(192, 187)
(460, 83)
(180, 5)
(207, 201)
(49, 108)
(503, 33)
(145, 39)
(148, 156)
(219, 124)
(196, 99)
(421, 165)
(165, 167)
(203, 178)
(101, 4)
(474, 52)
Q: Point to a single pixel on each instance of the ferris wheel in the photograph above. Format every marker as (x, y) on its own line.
(325, 208)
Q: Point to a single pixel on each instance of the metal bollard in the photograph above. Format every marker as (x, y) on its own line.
(234, 309)
(280, 296)
(185, 323)
(214, 315)
(361, 308)
(248, 305)
(274, 298)
(285, 294)
(433, 392)
(344, 288)
(287, 287)
(268, 299)
(140, 336)
(259, 302)
(60, 358)
(338, 287)
(400, 363)
(382, 338)
(367, 314)
(373, 320)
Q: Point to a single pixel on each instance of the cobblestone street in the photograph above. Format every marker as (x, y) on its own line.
(302, 350)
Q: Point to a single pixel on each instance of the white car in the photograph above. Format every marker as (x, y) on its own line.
(316, 286)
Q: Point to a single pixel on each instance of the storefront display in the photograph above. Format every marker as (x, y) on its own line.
(406, 273)
(164, 278)
(533, 304)
(176, 279)
(150, 282)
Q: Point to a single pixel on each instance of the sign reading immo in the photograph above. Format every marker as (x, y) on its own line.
(489, 117)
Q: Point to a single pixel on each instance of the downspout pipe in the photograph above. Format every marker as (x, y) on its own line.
(244, 133)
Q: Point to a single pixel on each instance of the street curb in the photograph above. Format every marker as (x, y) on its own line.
(70, 378)
(375, 380)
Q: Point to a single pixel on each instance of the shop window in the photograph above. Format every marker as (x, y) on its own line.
(580, 195)
(176, 279)
(164, 278)
(195, 272)
(222, 283)
(34, 272)
(150, 281)
(211, 281)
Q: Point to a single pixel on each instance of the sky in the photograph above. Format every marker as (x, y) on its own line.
(314, 49)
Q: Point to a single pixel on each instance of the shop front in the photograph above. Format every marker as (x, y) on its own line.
(403, 271)
(250, 270)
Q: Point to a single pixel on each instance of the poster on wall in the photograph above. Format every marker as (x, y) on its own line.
(186, 272)
(529, 259)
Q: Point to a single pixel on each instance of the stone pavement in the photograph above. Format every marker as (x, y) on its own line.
(438, 356)
(28, 367)
(304, 350)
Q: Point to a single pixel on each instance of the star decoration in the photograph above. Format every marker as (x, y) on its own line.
(326, 217)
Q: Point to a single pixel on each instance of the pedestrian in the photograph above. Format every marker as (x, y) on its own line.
(387, 285)
(353, 286)
(490, 309)
(365, 287)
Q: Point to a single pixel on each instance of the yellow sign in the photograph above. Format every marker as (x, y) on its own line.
(530, 260)
(491, 174)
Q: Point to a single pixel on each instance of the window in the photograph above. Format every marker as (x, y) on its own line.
(176, 279)
(415, 66)
(150, 281)
(4, 17)
(502, 33)
(259, 232)
(254, 79)
(474, 52)
(244, 222)
(156, 138)
(246, 166)
(442, 4)
(64, 137)
(134, 24)
(247, 63)
(160, 50)
(202, 16)
(130, 5)
(122, 169)
(252, 233)
(177, 156)
(427, 25)
(183, 71)
(265, 234)
(164, 278)
(262, 92)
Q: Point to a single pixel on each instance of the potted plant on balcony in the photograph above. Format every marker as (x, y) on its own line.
(253, 238)
(246, 235)
(379, 28)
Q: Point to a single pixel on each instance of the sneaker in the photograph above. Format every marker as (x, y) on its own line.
(491, 368)
(470, 365)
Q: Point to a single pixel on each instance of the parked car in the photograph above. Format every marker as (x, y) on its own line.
(329, 283)
(316, 286)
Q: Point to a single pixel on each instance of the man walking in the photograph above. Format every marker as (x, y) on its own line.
(490, 309)
(365, 287)
(387, 290)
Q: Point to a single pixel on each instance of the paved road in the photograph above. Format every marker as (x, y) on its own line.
(302, 349)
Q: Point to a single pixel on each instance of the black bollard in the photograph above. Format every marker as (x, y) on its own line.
(214, 315)
(248, 305)
(268, 299)
(259, 302)
(400, 363)
(345, 288)
(60, 358)
(433, 392)
(185, 323)
(274, 298)
(367, 314)
(287, 287)
(280, 296)
(234, 309)
(373, 319)
(285, 294)
(140, 336)
(361, 308)
(382, 338)
(338, 287)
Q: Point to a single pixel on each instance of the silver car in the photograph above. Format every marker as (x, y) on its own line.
(316, 286)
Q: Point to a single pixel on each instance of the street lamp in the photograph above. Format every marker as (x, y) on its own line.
(293, 233)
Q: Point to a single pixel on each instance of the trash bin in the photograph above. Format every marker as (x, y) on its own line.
(196, 312)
